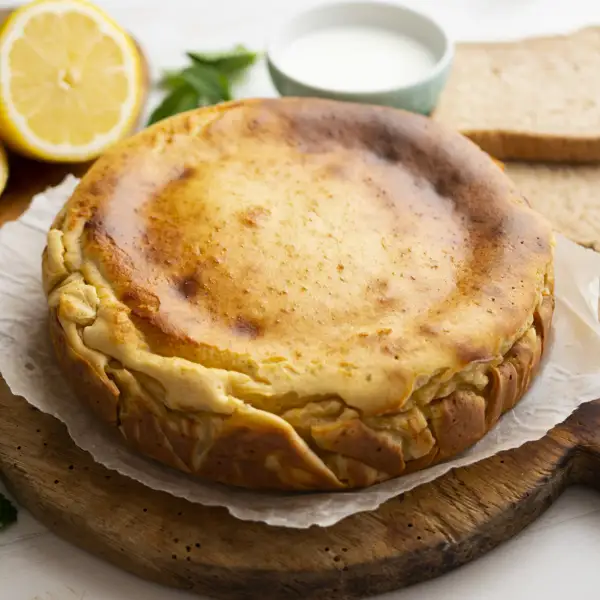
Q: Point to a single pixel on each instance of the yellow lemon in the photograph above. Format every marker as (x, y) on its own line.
(70, 81)
(3, 169)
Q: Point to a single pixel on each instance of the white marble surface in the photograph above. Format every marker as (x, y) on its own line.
(553, 558)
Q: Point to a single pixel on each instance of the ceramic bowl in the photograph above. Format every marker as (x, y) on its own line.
(419, 96)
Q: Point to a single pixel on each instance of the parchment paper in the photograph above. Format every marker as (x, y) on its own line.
(570, 376)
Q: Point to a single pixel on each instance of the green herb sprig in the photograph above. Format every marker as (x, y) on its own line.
(8, 512)
(206, 81)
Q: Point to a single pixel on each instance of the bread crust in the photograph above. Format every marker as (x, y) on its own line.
(529, 146)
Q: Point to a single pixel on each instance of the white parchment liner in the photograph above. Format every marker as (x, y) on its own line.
(570, 376)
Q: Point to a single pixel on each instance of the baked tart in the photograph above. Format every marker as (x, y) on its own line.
(298, 294)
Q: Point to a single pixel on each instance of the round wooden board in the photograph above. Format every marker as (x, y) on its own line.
(420, 535)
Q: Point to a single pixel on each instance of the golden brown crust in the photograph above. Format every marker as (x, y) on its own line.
(101, 394)
(354, 439)
(240, 452)
(389, 352)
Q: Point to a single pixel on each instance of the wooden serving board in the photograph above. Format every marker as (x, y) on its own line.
(427, 532)
(420, 535)
(431, 530)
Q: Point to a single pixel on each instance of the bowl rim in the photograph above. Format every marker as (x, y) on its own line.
(432, 74)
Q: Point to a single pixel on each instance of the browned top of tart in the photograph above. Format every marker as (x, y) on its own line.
(273, 250)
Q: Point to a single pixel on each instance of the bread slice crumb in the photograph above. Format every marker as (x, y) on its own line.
(567, 195)
(535, 100)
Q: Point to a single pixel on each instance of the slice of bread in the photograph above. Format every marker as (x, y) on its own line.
(568, 196)
(536, 100)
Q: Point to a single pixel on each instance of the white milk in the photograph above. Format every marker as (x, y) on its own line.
(356, 58)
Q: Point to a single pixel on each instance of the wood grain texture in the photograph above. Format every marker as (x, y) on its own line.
(415, 537)
(27, 178)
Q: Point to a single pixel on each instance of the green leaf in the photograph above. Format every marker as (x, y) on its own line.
(208, 82)
(205, 82)
(8, 512)
(183, 98)
(171, 80)
(228, 62)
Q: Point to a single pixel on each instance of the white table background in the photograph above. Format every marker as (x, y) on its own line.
(554, 558)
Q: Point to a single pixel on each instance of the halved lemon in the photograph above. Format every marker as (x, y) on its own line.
(3, 169)
(70, 81)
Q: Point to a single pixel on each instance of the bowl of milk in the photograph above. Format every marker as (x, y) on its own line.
(370, 52)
